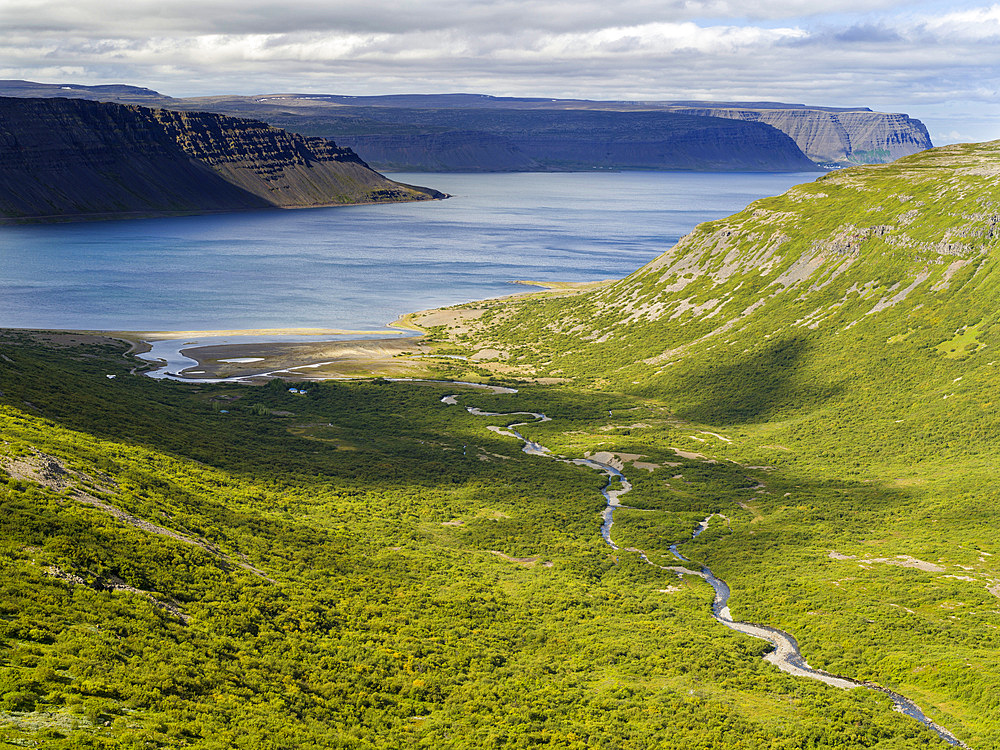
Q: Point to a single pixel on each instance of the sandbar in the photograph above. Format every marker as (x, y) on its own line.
(310, 360)
(391, 352)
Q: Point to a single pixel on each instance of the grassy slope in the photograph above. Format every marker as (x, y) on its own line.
(877, 431)
(845, 335)
(381, 626)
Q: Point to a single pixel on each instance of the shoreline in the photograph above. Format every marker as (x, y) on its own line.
(255, 361)
(47, 219)
(396, 350)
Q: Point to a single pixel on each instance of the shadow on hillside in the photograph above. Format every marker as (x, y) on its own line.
(753, 387)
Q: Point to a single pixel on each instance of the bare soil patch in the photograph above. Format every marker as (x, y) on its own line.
(525, 561)
(311, 360)
(903, 561)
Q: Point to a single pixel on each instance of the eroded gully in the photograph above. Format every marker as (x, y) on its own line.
(785, 655)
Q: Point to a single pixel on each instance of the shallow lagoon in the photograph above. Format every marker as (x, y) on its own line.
(358, 267)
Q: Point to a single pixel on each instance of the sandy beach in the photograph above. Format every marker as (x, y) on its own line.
(311, 360)
(399, 350)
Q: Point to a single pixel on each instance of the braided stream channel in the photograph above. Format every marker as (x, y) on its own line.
(785, 655)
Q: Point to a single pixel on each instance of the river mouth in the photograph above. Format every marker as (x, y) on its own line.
(785, 654)
(249, 358)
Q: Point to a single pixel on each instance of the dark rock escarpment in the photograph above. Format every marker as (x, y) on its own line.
(480, 133)
(452, 151)
(72, 158)
(844, 137)
(545, 140)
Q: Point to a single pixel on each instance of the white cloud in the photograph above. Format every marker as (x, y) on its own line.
(662, 39)
(145, 17)
(881, 53)
(973, 25)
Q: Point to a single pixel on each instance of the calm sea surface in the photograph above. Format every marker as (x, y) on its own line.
(358, 267)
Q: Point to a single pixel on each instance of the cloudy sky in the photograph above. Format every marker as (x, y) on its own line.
(933, 60)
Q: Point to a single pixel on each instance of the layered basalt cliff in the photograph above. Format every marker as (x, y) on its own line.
(71, 158)
(476, 132)
(644, 134)
(844, 137)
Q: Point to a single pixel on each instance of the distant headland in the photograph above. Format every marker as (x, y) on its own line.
(480, 133)
(73, 159)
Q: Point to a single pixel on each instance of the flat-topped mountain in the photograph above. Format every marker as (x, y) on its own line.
(840, 135)
(477, 132)
(554, 140)
(114, 92)
(846, 137)
(71, 158)
(826, 135)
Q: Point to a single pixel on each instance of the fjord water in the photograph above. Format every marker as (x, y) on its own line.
(358, 267)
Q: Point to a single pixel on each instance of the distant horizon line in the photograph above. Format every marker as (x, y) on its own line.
(631, 100)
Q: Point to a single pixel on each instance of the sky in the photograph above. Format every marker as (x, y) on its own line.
(939, 62)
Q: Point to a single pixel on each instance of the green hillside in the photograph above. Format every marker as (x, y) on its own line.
(366, 566)
(362, 566)
(843, 334)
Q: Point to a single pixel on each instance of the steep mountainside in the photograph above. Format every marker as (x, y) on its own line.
(844, 136)
(441, 132)
(844, 253)
(580, 139)
(824, 135)
(70, 158)
(832, 136)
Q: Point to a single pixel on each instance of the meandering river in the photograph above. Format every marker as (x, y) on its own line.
(785, 655)
(361, 267)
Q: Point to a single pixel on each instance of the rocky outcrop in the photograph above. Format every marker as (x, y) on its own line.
(71, 158)
(844, 137)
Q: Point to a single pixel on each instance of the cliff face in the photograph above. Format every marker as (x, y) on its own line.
(457, 151)
(285, 169)
(649, 140)
(839, 137)
(545, 140)
(474, 132)
(643, 135)
(71, 158)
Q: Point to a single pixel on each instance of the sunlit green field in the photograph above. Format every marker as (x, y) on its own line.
(366, 566)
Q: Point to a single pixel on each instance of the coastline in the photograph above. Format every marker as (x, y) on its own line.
(7, 220)
(403, 348)
(302, 360)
